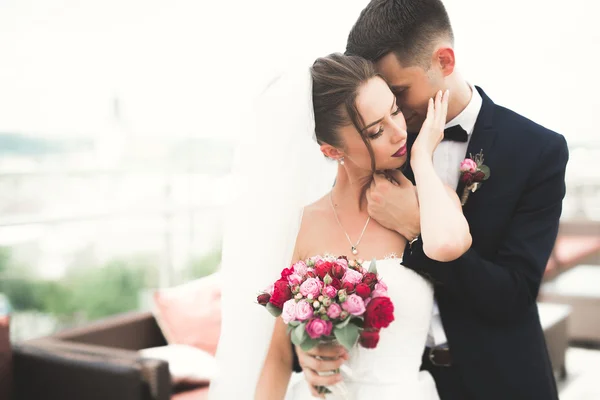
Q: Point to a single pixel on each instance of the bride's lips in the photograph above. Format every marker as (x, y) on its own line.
(401, 152)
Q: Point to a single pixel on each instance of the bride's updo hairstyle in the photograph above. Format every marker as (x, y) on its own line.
(337, 79)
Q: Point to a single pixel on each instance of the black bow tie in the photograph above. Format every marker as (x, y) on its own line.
(456, 134)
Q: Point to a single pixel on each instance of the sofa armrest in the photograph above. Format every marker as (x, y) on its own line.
(132, 331)
(40, 373)
(152, 378)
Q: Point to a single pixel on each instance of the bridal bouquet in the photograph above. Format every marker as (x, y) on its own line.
(328, 299)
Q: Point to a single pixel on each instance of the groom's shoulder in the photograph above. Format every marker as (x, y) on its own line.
(519, 127)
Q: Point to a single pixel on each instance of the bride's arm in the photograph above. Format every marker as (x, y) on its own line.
(277, 369)
(276, 372)
(444, 228)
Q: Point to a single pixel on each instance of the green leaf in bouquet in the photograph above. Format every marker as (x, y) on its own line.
(289, 329)
(347, 336)
(373, 266)
(299, 334)
(294, 323)
(308, 344)
(343, 323)
(276, 312)
(358, 322)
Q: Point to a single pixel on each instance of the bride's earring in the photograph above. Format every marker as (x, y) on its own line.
(341, 160)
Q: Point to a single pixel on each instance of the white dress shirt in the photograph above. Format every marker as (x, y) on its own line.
(446, 162)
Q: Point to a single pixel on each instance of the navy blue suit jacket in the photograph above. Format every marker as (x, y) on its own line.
(487, 297)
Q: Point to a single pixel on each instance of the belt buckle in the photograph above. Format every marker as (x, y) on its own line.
(431, 357)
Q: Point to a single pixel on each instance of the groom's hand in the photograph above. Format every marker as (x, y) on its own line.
(395, 204)
(321, 359)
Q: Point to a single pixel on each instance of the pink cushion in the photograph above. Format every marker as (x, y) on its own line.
(570, 250)
(190, 314)
(551, 266)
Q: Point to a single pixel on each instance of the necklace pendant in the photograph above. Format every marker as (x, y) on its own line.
(354, 250)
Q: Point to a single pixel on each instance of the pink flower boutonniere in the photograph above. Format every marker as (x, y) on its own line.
(472, 173)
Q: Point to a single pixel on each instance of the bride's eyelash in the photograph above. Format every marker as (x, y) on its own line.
(380, 131)
(376, 134)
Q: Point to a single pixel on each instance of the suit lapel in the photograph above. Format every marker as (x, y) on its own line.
(406, 169)
(483, 136)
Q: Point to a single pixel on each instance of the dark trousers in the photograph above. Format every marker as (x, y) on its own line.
(447, 380)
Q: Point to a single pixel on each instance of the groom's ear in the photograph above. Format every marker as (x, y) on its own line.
(331, 152)
(444, 58)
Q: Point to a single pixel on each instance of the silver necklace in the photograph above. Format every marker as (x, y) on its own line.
(353, 247)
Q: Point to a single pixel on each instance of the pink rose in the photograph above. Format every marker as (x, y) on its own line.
(311, 286)
(329, 291)
(294, 279)
(354, 304)
(380, 290)
(468, 165)
(300, 268)
(304, 310)
(316, 259)
(288, 313)
(343, 262)
(317, 328)
(352, 276)
(334, 311)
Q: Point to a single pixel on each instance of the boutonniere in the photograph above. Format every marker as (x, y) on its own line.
(472, 173)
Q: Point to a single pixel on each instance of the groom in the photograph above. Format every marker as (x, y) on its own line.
(486, 341)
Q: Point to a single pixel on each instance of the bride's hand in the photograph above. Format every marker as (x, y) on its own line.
(432, 131)
(319, 360)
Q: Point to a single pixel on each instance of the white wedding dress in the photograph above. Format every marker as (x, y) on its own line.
(391, 370)
(280, 146)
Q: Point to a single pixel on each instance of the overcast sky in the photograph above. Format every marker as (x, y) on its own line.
(183, 66)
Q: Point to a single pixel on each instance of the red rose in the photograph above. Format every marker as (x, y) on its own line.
(349, 287)
(369, 339)
(363, 290)
(338, 271)
(466, 177)
(379, 313)
(370, 279)
(263, 299)
(286, 272)
(336, 283)
(281, 294)
(478, 177)
(323, 269)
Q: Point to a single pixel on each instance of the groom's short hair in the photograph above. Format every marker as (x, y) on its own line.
(409, 28)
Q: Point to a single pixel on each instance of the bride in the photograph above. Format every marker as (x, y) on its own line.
(287, 211)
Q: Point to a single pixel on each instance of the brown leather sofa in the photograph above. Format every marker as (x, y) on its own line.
(98, 361)
(5, 358)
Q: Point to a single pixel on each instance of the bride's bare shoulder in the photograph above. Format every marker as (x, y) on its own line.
(316, 211)
(314, 219)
